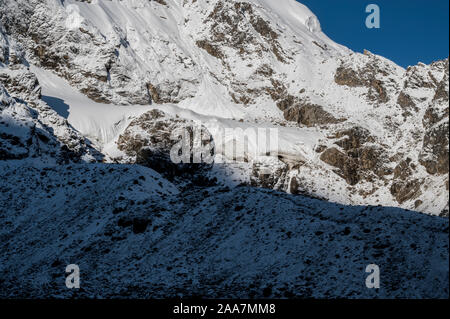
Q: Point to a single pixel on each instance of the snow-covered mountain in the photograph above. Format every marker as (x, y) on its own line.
(376, 132)
(109, 81)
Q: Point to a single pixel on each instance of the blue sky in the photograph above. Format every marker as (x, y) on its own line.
(411, 31)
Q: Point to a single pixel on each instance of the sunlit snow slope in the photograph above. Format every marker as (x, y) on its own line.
(354, 128)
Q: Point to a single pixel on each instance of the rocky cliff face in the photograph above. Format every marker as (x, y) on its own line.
(31, 129)
(380, 131)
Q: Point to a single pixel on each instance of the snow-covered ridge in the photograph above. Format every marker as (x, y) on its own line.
(134, 235)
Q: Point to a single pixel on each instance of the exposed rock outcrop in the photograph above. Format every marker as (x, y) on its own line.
(29, 128)
(435, 153)
(310, 115)
(374, 75)
(404, 191)
(360, 159)
(155, 139)
(348, 167)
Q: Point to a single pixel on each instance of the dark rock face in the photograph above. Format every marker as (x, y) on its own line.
(29, 128)
(435, 150)
(49, 43)
(296, 110)
(434, 115)
(212, 49)
(285, 103)
(406, 102)
(154, 123)
(404, 191)
(403, 170)
(442, 94)
(150, 139)
(237, 27)
(362, 78)
(373, 76)
(435, 154)
(353, 138)
(230, 30)
(360, 158)
(358, 161)
(40, 33)
(23, 84)
(348, 167)
(348, 77)
(371, 159)
(377, 92)
(308, 114)
(272, 176)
